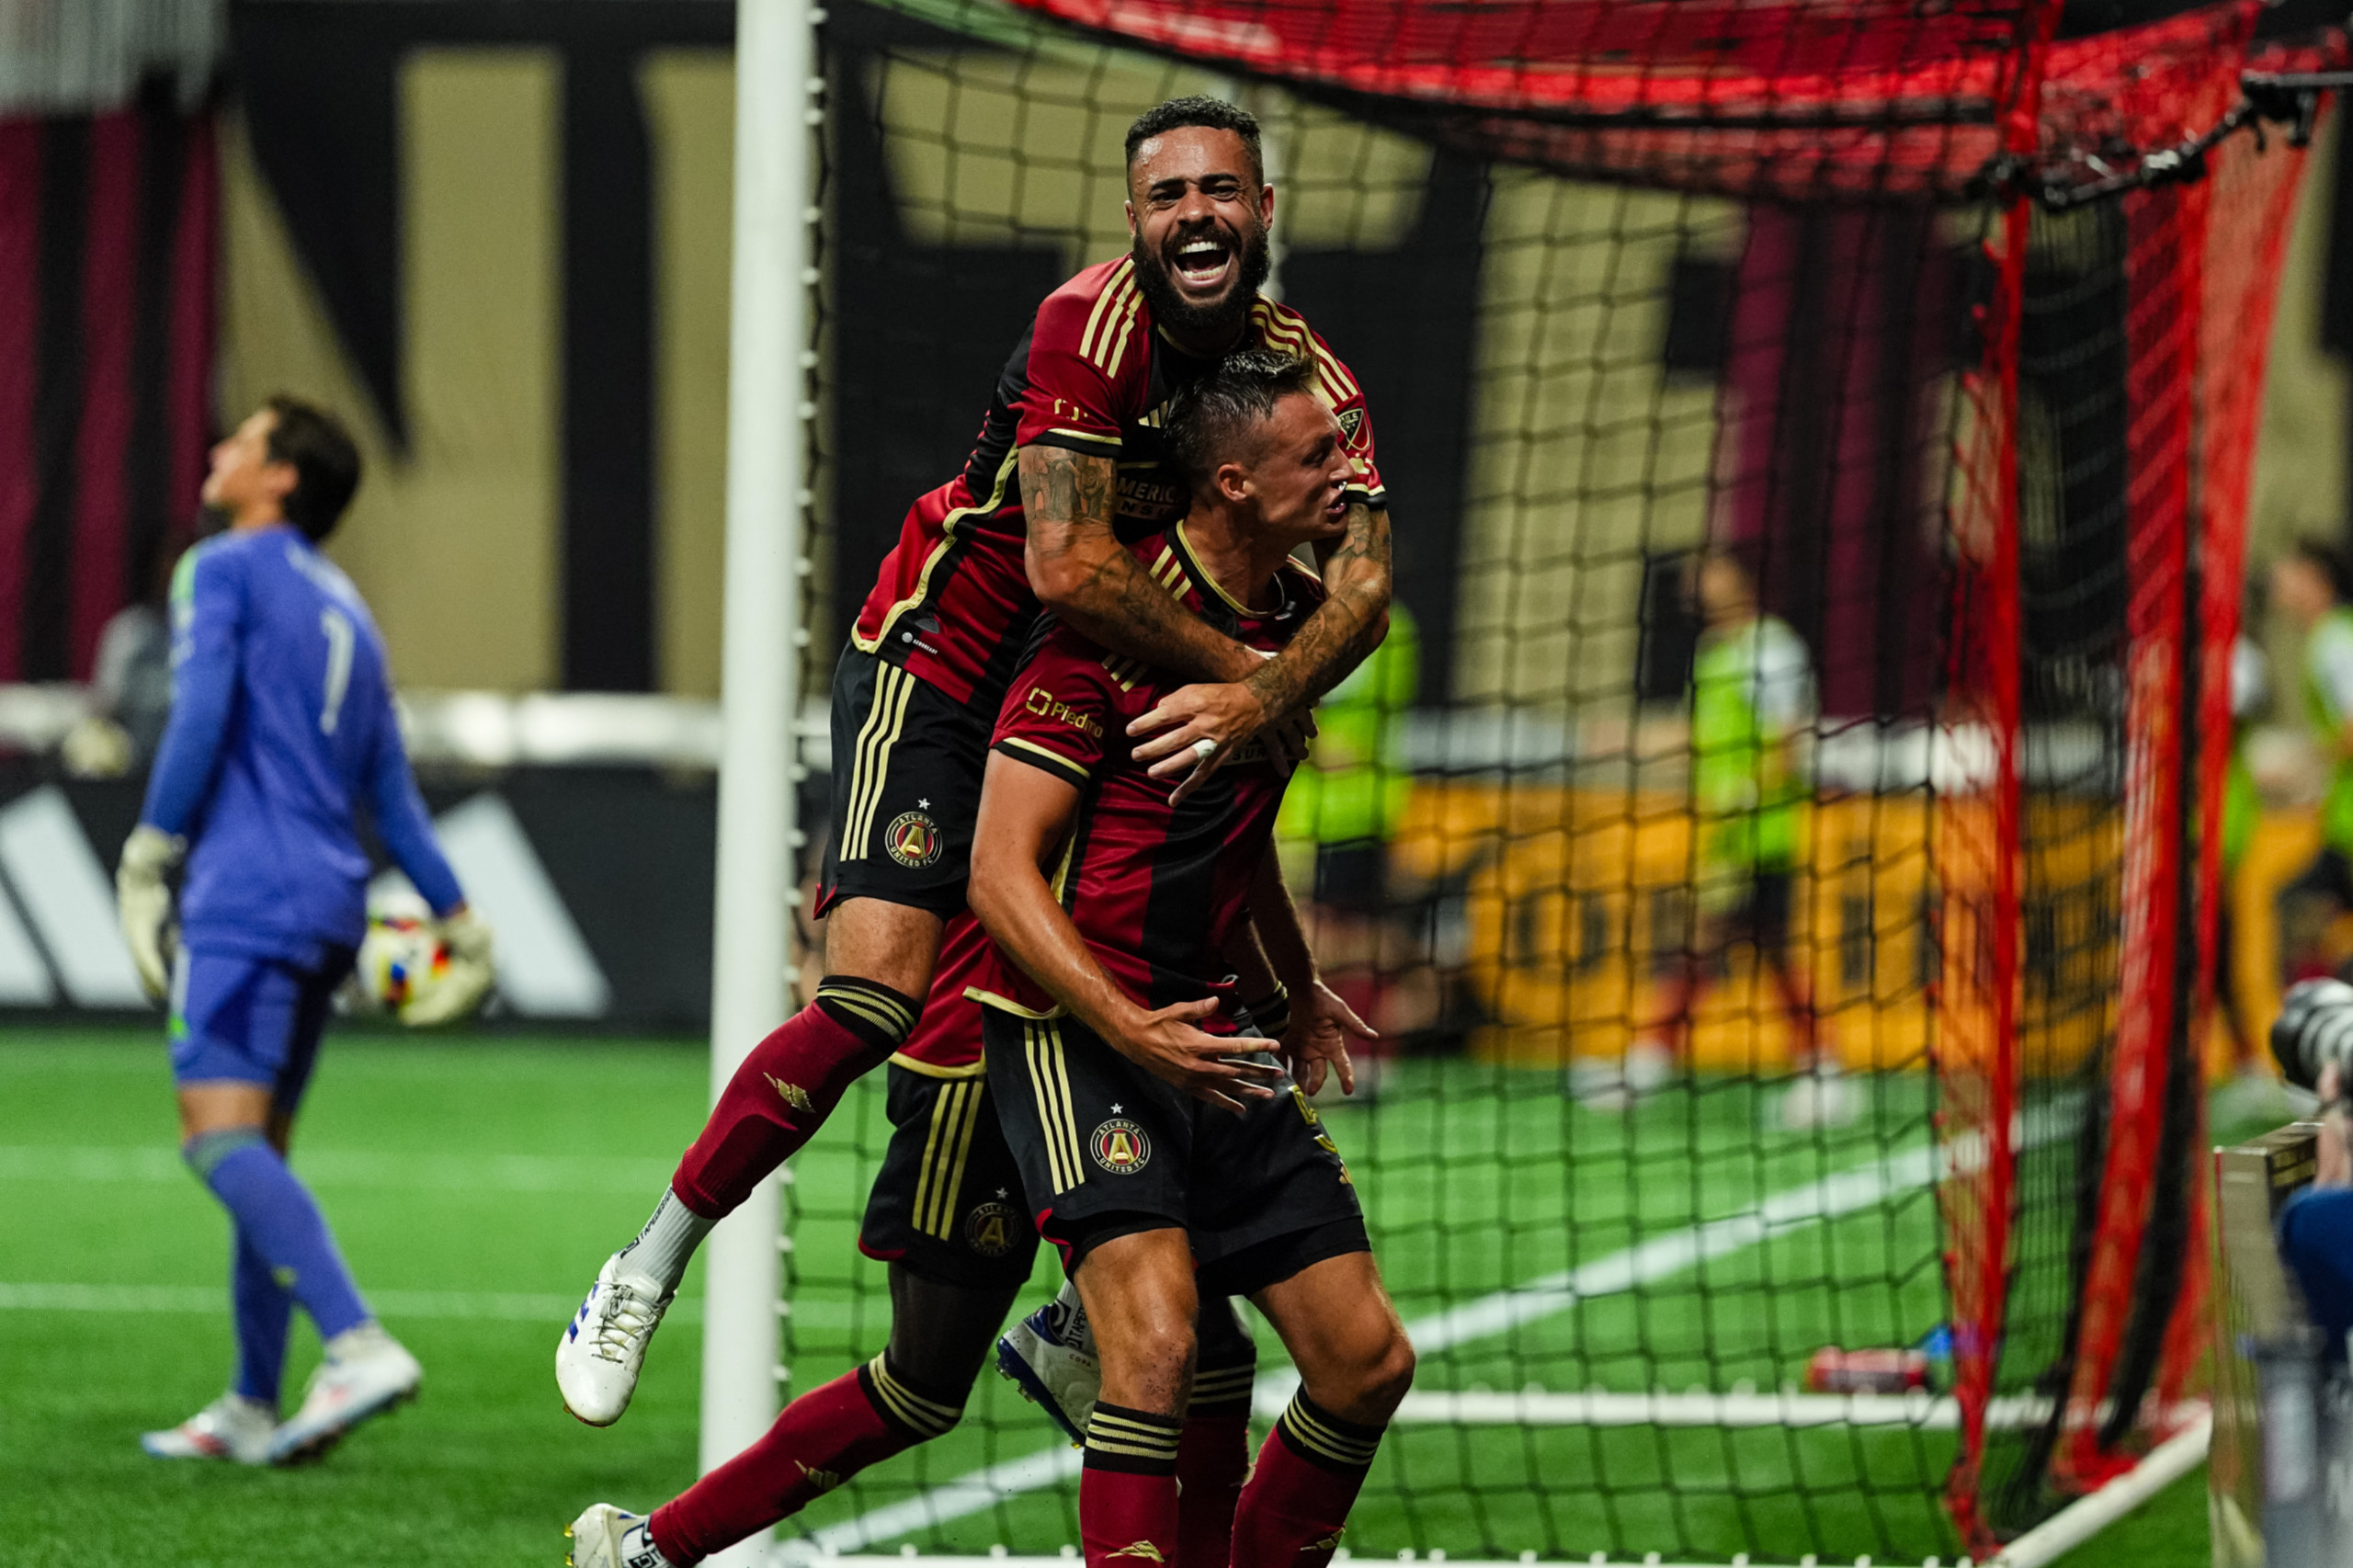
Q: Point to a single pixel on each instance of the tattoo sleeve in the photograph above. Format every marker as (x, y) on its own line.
(1350, 625)
(1080, 571)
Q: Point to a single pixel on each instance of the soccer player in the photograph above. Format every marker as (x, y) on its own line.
(1752, 704)
(1071, 462)
(2311, 586)
(281, 725)
(945, 1213)
(1118, 918)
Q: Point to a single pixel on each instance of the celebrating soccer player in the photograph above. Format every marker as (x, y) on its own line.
(281, 725)
(1117, 917)
(1071, 462)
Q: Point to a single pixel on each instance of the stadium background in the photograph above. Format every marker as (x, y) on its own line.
(497, 238)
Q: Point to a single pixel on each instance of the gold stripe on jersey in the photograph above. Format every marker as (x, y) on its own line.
(988, 998)
(1097, 437)
(1127, 330)
(954, 1113)
(1190, 564)
(1060, 883)
(927, 1417)
(870, 767)
(1049, 1081)
(1119, 278)
(1286, 329)
(948, 529)
(1168, 571)
(1056, 763)
(933, 1069)
(1124, 672)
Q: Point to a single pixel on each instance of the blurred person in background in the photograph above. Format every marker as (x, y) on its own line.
(281, 727)
(1752, 714)
(2254, 1089)
(2311, 585)
(1338, 818)
(130, 695)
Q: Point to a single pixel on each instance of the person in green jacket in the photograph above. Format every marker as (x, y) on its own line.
(1752, 718)
(2311, 586)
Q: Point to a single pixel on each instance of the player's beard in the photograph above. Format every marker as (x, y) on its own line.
(1170, 308)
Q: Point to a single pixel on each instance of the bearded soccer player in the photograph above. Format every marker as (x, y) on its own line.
(1070, 464)
(1118, 917)
(281, 725)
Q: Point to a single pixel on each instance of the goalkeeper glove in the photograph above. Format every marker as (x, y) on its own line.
(143, 891)
(459, 989)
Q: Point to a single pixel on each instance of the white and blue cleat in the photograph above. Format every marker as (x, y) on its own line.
(231, 1427)
(1050, 1357)
(603, 1347)
(366, 1374)
(606, 1536)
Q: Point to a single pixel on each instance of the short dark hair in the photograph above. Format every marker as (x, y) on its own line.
(1213, 114)
(2329, 560)
(1209, 416)
(325, 460)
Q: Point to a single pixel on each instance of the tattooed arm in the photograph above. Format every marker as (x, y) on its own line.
(1080, 571)
(1350, 625)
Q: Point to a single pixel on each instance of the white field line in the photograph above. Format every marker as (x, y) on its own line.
(458, 1306)
(1783, 1213)
(82, 1165)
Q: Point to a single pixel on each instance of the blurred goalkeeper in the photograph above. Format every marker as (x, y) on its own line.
(281, 725)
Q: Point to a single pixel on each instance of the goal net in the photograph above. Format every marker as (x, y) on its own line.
(1777, 840)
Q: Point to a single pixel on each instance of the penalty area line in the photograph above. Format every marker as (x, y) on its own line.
(1783, 1213)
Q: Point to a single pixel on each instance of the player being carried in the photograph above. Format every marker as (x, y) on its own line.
(1118, 918)
(281, 726)
(1071, 463)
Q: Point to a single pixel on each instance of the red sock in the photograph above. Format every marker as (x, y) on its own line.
(786, 1087)
(822, 1439)
(1214, 1461)
(1127, 1494)
(1298, 1499)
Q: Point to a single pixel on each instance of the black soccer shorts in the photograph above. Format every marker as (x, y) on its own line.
(1107, 1149)
(907, 764)
(947, 1202)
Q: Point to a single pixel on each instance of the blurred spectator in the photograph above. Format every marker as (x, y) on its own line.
(130, 688)
(2311, 586)
(2316, 1224)
(1344, 805)
(1752, 714)
(2253, 1091)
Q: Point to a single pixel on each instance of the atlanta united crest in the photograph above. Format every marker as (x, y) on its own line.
(988, 1230)
(913, 840)
(1121, 1147)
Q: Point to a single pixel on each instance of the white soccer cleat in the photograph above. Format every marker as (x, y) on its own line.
(231, 1427)
(1050, 1357)
(603, 1349)
(367, 1373)
(1610, 1087)
(1822, 1098)
(606, 1536)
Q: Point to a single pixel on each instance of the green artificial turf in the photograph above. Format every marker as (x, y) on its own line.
(475, 1183)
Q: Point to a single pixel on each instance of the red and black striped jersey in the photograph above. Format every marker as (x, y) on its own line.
(1156, 890)
(947, 1040)
(952, 603)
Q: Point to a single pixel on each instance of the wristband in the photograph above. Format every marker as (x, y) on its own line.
(1271, 1014)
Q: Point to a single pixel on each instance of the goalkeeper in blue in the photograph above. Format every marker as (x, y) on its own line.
(281, 725)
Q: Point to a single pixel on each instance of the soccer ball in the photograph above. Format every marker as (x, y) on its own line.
(400, 956)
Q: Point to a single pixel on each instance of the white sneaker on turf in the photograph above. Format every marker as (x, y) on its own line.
(603, 1347)
(1050, 1357)
(1610, 1087)
(367, 1373)
(606, 1536)
(1822, 1098)
(231, 1427)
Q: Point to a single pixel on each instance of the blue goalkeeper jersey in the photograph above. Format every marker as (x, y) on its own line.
(281, 725)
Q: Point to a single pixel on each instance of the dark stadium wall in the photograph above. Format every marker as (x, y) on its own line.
(107, 274)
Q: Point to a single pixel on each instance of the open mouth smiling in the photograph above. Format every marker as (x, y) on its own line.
(1202, 263)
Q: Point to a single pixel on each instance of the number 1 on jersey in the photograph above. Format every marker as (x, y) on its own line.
(337, 626)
